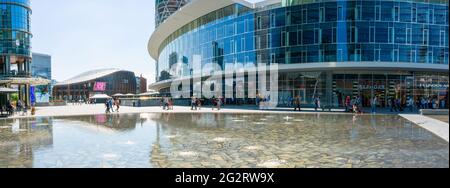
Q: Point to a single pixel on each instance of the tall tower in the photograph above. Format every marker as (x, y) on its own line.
(165, 8)
(15, 46)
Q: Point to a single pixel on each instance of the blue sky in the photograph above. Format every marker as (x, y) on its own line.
(82, 35)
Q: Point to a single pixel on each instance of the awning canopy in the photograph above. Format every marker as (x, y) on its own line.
(8, 90)
(101, 96)
(31, 81)
(118, 95)
(149, 94)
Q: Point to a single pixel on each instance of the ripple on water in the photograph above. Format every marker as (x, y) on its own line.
(254, 148)
(187, 154)
(220, 139)
(272, 163)
(287, 118)
(259, 123)
(172, 136)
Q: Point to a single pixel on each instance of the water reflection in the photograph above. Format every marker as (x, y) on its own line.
(219, 140)
(19, 139)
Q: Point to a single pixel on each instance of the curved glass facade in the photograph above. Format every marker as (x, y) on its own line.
(15, 48)
(15, 33)
(296, 32)
(340, 31)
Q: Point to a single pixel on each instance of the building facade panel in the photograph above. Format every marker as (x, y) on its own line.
(41, 67)
(291, 32)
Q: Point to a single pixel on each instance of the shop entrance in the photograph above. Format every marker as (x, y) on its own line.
(373, 88)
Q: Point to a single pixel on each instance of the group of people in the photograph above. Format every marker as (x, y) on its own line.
(167, 103)
(19, 108)
(196, 104)
(431, 103)
(111, 103)
(216, 103)
(297, 102)
(354, 104)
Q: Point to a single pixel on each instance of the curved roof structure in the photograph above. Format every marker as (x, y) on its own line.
(186, 14)
(87, 76)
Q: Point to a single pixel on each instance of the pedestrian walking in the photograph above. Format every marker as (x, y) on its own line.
(107, 107)
(316, 103)
(297, 104)
(213, 103)
(348, 104)
(19, 106)
(374, 103)
(219, 103)
(110, 103)
(193, 103)
(170, 104)
(410, 104)
(443, 103)
(199, 104)
(118, 103)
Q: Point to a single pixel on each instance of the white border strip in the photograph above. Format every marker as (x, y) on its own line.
(437, 127)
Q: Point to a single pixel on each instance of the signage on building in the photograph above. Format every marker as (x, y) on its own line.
(375, 87)
(434, 86)
(32, 94)
(100, 86)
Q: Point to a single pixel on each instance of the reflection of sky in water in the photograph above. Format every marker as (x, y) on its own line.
(219, 140)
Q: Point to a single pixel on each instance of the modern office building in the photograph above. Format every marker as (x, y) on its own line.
(165, 8)
(15, 46)
(104, 81)
(141, 85)
(391, 49)
(41, 67)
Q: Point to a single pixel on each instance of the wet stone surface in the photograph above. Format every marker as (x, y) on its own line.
(219, 141)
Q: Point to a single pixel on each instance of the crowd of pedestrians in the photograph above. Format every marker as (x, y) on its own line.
(20, 108)
(111, 103)
(167, 103)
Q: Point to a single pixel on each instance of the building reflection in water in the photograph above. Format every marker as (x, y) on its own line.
(113, 122)
(20, 138)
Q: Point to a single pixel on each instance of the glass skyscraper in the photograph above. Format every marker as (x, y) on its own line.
(390, 49)
(15, 46)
